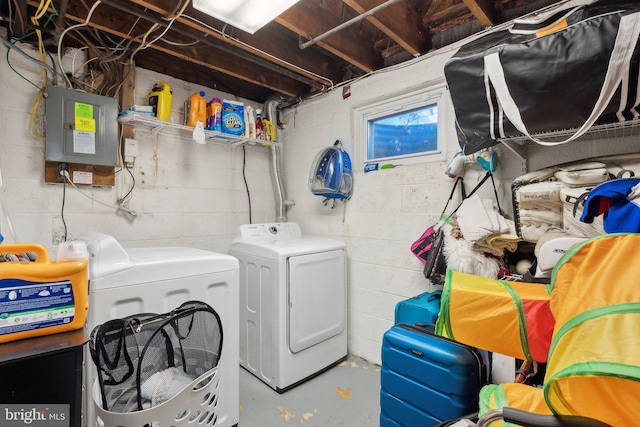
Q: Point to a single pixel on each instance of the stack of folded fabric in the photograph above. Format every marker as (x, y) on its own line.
(476, 244)
(508, 240)
(479, 221)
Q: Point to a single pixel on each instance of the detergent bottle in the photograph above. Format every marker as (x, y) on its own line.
(160, 99)
(216, 115)
(43, 297)
(195, 109)
(207, 125)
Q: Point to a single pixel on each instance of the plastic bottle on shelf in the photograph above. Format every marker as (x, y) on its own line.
(160, 99)
(245, 112)
(216, 115)
(195, 109)
(251, 123)
(259, 125)
(269, 130)
(207, 125)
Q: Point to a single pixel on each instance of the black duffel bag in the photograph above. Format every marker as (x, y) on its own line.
(567, 68)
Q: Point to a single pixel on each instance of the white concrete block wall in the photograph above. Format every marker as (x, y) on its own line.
(389, 209)
(185, 194)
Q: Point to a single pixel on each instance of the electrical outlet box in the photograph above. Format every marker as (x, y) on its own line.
(63, 167)
(130, 147)
(81, 127)
(130, 150)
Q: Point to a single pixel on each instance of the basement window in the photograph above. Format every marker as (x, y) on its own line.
(407, 128)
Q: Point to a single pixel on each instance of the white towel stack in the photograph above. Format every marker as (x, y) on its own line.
(479, 221)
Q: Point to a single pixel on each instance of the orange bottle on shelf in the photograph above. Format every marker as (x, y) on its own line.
(195, 109)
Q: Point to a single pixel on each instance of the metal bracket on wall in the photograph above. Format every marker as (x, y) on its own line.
(519, 151)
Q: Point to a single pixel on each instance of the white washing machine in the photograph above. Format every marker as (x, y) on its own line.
(293, 303)
(123, 282)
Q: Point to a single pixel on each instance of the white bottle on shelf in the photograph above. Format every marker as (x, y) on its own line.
(251, 123)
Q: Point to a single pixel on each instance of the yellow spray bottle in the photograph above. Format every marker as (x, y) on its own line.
(160, 99)
(269, 130)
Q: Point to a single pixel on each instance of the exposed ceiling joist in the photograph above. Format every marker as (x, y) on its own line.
(444, 17)
(483, 10)
(272, 45)
(348, 44)
(400, 22)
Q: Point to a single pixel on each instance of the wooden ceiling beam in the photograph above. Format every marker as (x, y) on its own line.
(452, 13)
(308, 19)
(269, 43)
(482, 10)
(399, 22)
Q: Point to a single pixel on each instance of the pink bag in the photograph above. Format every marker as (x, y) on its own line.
(428, 248)
(423, 245)
(432, 235)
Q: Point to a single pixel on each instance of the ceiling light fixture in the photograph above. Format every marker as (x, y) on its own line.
(247, 15)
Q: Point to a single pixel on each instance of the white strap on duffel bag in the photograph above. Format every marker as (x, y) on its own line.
(617, 74)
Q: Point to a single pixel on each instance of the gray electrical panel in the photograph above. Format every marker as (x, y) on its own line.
(81, 127)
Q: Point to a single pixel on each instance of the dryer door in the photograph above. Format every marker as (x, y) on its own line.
(317, 298)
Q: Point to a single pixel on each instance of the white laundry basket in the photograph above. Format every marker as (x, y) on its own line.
(195, 404)
(158, 370)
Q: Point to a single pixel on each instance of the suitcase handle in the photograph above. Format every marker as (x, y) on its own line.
(617, 72)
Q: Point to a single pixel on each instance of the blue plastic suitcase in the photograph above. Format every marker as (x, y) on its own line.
(422, 309)
(427, 379)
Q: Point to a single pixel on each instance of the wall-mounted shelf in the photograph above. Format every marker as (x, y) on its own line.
(598, 141)
(605, 131)
(155, 126)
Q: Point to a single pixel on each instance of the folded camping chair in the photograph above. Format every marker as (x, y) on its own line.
(591, 307)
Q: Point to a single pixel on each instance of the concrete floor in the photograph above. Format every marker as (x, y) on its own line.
(346, 395)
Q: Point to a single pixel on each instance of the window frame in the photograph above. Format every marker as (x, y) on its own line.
(425, 95)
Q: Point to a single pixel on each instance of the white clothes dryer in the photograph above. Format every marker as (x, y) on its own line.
(293, 303)
(124, 282)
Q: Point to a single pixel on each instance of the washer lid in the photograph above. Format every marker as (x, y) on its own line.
(267, 231)
(108, 259)
(286, 247)
(279, 240)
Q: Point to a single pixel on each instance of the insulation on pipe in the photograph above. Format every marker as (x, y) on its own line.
(275, 159)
